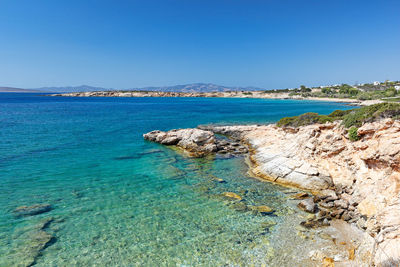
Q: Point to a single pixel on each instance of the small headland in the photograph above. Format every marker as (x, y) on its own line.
(347, 163)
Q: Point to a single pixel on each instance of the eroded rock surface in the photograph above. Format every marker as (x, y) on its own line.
(196, 142)
(276, 158)
(357, 181)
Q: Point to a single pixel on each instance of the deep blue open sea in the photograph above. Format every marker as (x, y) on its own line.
(118, 200)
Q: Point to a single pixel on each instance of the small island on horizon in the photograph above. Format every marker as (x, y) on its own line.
(359, 94)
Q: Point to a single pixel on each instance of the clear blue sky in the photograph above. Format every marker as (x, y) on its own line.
(270, 44)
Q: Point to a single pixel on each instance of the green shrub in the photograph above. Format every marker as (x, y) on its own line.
(371, 113)
(353, 136)
(364, 96)
(304, 89)
(327, 91)
(390, 92)
(303, 119)
(353, 117)
(338, 114)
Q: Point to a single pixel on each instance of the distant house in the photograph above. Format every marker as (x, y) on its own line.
(397, 87)
(377, 83)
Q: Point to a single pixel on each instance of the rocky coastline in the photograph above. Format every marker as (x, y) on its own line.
(353, 181)
(228, 94)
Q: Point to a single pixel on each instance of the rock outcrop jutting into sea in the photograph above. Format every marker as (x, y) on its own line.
(358, 182)
(195, 142)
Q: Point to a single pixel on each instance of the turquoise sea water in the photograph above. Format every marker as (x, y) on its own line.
(121, 201)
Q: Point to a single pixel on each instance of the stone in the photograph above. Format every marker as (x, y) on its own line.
(323, 213)
(346, 216)
(362, 223)
(232, 195)
(310, 224)
(307, 205)
(328, 193)
(268, 224)
(198, 143)
(301, 195)
(346, 197)
(264, 210)
(337, 213)
(339, 189)
(218, 180)
(32, 210)
(325, 222)
(341, 203)
(326, 205)
(33, 246)
(331, 198)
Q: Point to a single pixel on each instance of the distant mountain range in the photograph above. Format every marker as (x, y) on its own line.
(17, 90)
(71, 89)
(187, 88)
(197, 87)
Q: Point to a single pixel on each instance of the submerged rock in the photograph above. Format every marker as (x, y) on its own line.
(232, 195)
(34, 246)
(264, 210)
(32, 210)
(217, 179)
(45, 223)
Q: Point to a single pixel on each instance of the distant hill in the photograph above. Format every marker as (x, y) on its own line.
(17, 90)
(187, 88)
(197, 87)
(71, 89)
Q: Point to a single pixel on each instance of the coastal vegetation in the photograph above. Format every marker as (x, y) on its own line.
(362, 92)
(353, 136)
(367, 91)
(350, 118)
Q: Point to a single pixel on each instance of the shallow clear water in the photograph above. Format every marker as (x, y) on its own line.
(121, 201)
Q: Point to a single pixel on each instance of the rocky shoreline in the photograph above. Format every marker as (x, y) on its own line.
(195, 142)
(230, 94)
(357, 182)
